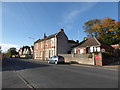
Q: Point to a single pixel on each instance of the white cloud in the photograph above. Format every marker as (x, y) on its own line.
(5, 47)
(70, 17)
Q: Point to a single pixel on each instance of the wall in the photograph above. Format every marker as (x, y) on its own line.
(62, 43)
(70, 45)
(81, 59)
(99, 59)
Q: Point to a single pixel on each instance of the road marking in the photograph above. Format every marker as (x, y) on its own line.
(25, 81)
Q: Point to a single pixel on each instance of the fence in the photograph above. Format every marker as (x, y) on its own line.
(81, 58)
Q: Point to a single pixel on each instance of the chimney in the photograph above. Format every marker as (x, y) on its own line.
(62, 30)
(77, 41)
(44, 36)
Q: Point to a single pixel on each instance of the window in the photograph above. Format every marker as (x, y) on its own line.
(81, 51)
(36, 54)
(98, 49)
(41, 45)
(52, 41)
(74, 50)
(36, 46)
(40, 53)
(47, 53)
(46, 44)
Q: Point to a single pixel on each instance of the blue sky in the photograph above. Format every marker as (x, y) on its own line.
(22, 20)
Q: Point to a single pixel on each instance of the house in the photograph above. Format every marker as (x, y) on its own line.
(116, 50)
(116, 46)
(51, 45)
(91, 45)
(26, 52)
(72, 43)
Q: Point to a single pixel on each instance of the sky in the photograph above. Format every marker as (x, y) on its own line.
(21, 20)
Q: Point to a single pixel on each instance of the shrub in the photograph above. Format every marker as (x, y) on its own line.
(108, 54)
(90, 55)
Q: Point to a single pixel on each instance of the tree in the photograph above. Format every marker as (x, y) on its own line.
(0, 50)
(106, 30)
(88, 27)
(12, 51)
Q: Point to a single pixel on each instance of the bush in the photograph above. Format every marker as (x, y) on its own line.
(90, 55)
(108, 54)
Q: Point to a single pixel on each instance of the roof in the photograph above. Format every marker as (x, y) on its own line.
(72, 41)
(116, 46)
(48, 37)
(26, 47)
(78, 44)
(89, 42)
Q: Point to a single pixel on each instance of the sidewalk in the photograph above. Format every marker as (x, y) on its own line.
(114, 66)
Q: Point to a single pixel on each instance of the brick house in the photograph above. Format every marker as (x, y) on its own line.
(25, 52)
(91, 45)
(51, 45)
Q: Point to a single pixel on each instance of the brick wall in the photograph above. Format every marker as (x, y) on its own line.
(42, 50)
(99, 59)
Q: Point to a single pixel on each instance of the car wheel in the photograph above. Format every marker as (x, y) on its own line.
(48, 61)
(55, 62)
(63, 62)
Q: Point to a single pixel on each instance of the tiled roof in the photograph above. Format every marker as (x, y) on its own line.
(46, 38)
(51, 36)
(26, 47)
(89, 42)
(71, 41)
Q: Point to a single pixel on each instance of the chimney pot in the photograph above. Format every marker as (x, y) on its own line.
(61, 29)
(44, 35)
(77, 41)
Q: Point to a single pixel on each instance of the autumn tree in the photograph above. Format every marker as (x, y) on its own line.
(88, 27)
(106, 30)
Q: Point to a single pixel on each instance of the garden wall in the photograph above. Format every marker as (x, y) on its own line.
(79, 58)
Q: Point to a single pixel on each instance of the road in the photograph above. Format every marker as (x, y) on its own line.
(23, 73)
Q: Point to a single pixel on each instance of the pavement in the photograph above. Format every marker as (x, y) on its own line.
(112, 66)
(34, 74)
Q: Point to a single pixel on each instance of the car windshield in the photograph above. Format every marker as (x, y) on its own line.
(60, 56)
(55, 56)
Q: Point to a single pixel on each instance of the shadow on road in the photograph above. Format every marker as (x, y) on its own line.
(18, 64)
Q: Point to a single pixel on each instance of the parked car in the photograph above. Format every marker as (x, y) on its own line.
(56, 59)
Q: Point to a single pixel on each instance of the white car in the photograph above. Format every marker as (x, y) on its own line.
(56, 59)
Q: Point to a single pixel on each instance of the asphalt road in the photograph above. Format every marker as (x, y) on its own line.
(19, 73)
